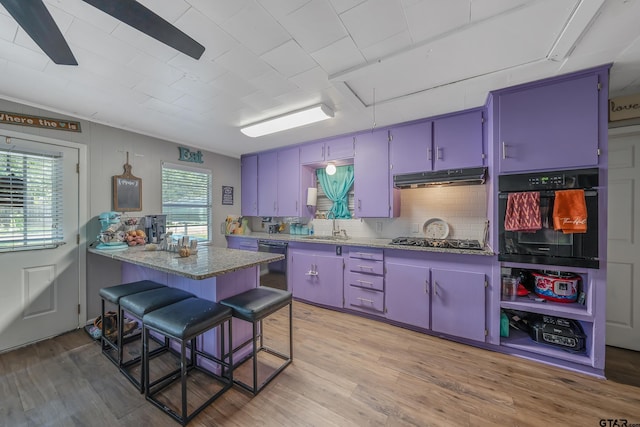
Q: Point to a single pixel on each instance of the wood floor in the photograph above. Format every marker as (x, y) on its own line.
(347, 371)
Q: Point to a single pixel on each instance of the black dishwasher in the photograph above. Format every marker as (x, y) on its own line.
(274, 274)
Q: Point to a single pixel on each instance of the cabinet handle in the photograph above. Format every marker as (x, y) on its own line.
(426, 287)
(274, 207)
(311, 273)
(365, 266)
(504, 150)
(429, 154)
(365, 300)
(364, 281)
(439, 152)
(296, 206)
(435, 288)
(323, 152)
(359, 203)
(328, 151)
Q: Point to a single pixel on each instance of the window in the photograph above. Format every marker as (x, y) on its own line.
(186, 200)
(31, 205)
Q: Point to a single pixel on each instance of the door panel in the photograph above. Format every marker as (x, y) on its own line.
(623, 253)
(39, 288)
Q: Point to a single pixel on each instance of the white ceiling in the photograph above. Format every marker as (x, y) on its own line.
(374, 62)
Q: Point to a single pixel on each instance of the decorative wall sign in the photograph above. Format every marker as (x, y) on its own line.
(127, 191)
(39, 122)
(187, 155)
(227, 195)
(624, 107)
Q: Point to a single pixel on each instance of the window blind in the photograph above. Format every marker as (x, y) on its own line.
(31, 200)
(186, 200)
(323, 203)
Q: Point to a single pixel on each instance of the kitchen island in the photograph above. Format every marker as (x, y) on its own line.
(212, 273)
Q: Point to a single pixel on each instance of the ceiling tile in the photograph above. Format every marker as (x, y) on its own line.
(428, 19)
(85, 12)
(243, 62)
(396, 43)
(344, 5)
(207, 33)
(373, 21)
(234, 85)
(144, 43)
(150, 66)
(219, 11)
(123, 75)
(315, 79)
(193, 103)
(11, 52)
(203, 70)
(289, 59)
(281, 8)
(158, 90)
(314, 26)
(254, 28)
(197, 89)
(482, 9)
(167, 10)
(260, 101)
(273, 84)
(340, 56)
(8, 27)
(91, 38)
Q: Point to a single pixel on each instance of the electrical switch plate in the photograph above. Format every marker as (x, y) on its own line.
(415, 227)
(378, 227)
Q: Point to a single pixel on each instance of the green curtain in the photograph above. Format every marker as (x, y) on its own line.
(337, 187)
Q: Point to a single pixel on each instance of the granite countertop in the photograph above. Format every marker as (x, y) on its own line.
(358, 241)
(209, 261)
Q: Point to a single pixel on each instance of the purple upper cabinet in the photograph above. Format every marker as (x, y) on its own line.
(457, 141)
(410, 148)
(289, 182)
(249, 182)
(550, 126)
(268, 184)
(371, 170)
(458, 303)
(334, 149)
(407, 293)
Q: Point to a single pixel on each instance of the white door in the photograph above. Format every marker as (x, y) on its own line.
(623, 264)
(39, 287)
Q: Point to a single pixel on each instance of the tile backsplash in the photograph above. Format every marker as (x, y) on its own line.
(464, 208)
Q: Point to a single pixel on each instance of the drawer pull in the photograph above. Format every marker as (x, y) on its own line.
(311, 273)
(364, 281)
(365, 266)
(366, 300)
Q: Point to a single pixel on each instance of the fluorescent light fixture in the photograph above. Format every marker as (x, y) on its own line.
(330, 169)
(288, 121)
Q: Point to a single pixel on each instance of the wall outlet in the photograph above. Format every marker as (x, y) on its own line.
(378, 227)
(415, 228)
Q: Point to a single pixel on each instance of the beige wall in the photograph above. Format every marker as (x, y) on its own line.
(107, 154)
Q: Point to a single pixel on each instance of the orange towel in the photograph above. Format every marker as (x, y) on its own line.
(570, 211)
(523, 212)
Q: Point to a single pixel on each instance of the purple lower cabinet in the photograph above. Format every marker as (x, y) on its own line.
(316, 277)
(458, 303)
(407, 294)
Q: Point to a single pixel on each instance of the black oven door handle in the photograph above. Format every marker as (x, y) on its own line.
(551, 193)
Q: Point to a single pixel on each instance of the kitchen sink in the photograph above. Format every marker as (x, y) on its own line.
(332, 238)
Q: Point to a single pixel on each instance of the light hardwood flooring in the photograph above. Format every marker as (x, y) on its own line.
(347, 371)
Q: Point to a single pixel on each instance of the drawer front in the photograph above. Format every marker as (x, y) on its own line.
(366, 266)
(365, 299)
(366, 281)
(368, 253)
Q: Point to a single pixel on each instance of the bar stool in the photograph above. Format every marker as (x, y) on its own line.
(253, 306)
(137, 305)
(184, 321)
(113, 294)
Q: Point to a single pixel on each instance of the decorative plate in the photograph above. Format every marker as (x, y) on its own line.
(435, 228)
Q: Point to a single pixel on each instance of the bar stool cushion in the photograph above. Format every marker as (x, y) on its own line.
(257, 303)
(142, 303)
(187, 318)
(114, 293)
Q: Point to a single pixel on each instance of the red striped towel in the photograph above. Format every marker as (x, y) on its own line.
(523, 212)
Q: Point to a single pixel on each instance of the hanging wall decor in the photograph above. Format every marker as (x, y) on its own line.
(127, 191)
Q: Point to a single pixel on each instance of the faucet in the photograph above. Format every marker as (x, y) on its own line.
(334, 231)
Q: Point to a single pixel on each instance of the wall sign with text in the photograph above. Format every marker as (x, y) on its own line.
(187, 155)
(624, 107)
(227, 195)
(39, 122)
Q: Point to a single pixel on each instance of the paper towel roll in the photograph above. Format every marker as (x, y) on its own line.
(312, 196)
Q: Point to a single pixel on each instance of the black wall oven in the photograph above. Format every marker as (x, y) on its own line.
(546, 245)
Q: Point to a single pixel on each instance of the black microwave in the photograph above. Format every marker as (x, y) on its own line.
(546, 245)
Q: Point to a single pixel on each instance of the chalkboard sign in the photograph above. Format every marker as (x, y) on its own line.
(227, 195)
(127, 191)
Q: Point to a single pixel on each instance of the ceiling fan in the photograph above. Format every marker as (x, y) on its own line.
(35, 19)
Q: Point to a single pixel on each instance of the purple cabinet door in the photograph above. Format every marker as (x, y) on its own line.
(312, 153)
(371, 170)
(289, 182)
(458, 303)
(249, 182)
(410, 148)
(407, 294)
(339, 148)
(457, 141)
(268, 184)
(549, 127)
(316, 277)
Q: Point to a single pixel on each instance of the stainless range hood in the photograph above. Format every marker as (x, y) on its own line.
(466, 176)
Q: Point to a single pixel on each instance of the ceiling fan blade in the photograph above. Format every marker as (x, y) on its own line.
(139, 17)
(35, 20)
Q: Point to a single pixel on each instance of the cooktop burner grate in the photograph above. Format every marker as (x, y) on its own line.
(437, 243)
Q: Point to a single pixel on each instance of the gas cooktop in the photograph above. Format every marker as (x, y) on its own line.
(437, 243)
